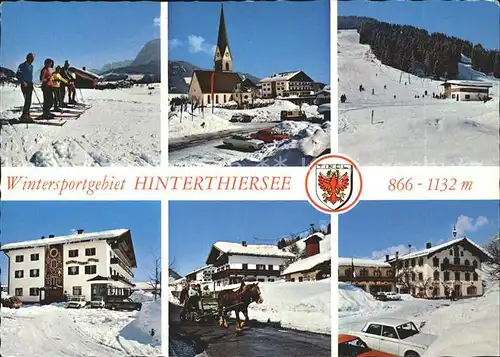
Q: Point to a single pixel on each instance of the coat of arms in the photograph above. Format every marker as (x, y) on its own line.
(334, 184)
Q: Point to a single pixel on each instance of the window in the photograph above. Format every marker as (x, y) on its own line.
(474, 264)
(388, 273)
(19, 258)
(471, 290)
(456, 260)
(436, 275)
(374, 329)
(413, 276)
(73, 253)
(216, 99)
(77, 290)
(467, 276)
(421, 276)
(227, 66)
(453, 96)
(34, 273)
(457, 276)
(363, 272)
(270, 280)
(466, 262)
(53, 281)
(73, 270)
(35, 257)
(467, 96)
(53, 264)
(435, 261)
(462, 253)
(301, 279)
(261, 267)
(446, 262)
(270, 267)
(377, 273)
(446, 275)
(475, 277)
(261, 280)
(451, 252)
(34, 291)
(19, 274)
(90, 269)
(224, 98)
(208, 99)
(282, 267)
(400, 265)
(18, 292)
(413, 262)
(89, 252)
(420, 262)
(388, 331)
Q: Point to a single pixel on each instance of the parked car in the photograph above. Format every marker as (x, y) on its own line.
(12, 302)
(295, 115)
(76, 302)
(241, 118)
(97, 303)
(392, 296)
(243, 142)
(120, 303)
(396, 336)
(353, 346)
(381, 295)
(269, 135)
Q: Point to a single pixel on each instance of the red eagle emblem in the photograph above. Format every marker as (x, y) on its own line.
(333, 186)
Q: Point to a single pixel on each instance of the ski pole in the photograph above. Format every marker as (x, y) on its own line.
(81, 95)
(36, 95)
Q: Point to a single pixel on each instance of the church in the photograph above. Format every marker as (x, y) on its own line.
(221, 85)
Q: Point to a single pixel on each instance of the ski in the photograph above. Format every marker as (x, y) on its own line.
(38, 122)
(57, 115)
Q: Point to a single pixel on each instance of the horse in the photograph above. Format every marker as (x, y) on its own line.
(238, 301)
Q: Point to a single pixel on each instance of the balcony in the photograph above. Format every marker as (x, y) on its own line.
(122, 279)
(369, 278)
(457, 267)
(235, 272)
(122, 265)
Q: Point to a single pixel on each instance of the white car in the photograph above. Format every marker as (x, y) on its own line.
(97, 303)
(76, 302)
(243, 142)
(392, 296)
(396, 336)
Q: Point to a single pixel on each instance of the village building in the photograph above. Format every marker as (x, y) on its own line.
(148, 287)
(438, 272)
(201, 275)
(322, 96)
(236, 262)
(461, 90)
(317, 262)
(287, 84)
(368, 274)
(93, 264)
(221, 85)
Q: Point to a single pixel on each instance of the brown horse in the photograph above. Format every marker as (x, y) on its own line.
(238, 301)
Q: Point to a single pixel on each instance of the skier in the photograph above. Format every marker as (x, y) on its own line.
(71, 84)
(385, 87)
(373, 91)
(394, 96)
(25, 76)
(56, 86)
(48, 96)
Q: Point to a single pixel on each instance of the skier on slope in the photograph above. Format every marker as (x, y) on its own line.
(65, 73)
(25, 76)
(47, 88)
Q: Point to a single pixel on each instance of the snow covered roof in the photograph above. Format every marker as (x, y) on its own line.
(308, 263)
(468, 83)
(199, 269)
(363, 263)
(232, 248)
(72, 238)
(440, 247)
(284, 76)
(144, 285)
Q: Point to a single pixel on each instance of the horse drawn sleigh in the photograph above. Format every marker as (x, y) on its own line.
(207, 309)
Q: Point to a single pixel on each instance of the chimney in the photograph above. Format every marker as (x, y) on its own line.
(454, 232)
(387, 257)
(51, 236)
(428, 245)
(79, 231)
(244, 243)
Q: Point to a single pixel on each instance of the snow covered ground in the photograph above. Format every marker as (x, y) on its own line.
(468, 327)
(408, 130)
(122, 129)
(53, 331)
(306, 143)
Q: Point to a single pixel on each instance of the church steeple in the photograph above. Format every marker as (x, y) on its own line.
(223, 60)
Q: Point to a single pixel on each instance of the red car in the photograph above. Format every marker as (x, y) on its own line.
(353, 346)
(269, 136)
(12, 302)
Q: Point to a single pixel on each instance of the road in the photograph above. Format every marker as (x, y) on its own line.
(208, 149)
(189, 339)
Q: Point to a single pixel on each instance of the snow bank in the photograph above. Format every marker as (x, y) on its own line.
(142, 296)
(466, 327)
(146, 327)
(355, 301)
(302, 306)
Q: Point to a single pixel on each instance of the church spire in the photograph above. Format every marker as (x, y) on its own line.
(223, 59)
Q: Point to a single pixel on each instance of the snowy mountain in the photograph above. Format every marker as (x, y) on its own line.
(113, 65)
(148, 54)
(179, 73)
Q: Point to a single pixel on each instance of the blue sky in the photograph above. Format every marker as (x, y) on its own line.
(88, 34)
(30, 220)
(194, 226)
(475, 21)
(264, 37)
(375, 228)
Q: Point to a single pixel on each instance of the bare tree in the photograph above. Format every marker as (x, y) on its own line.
(426, 287)
(155, 278)
(493, 248)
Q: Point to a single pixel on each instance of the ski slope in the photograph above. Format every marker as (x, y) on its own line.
(121, 129)
(406, 130)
